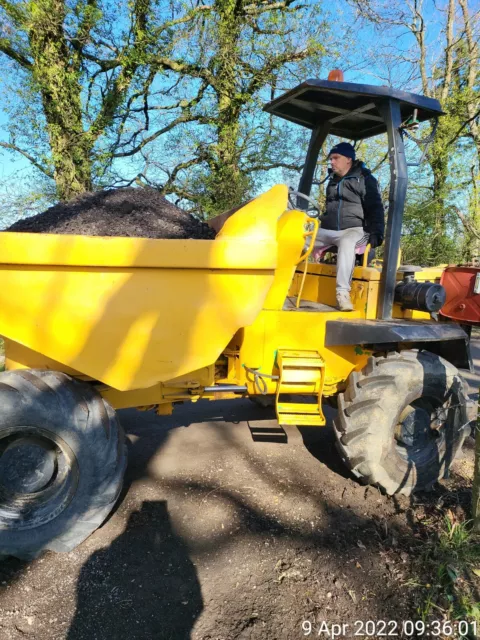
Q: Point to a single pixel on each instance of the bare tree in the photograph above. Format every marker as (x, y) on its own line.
(447, 68)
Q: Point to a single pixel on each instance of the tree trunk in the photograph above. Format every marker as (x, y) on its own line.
(59, 85)
(439, 166)
(72, 165)
(229, 185)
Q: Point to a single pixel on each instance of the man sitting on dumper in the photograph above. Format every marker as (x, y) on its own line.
(354, 216)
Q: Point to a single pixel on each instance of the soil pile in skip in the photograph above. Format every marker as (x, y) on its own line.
(127, 212)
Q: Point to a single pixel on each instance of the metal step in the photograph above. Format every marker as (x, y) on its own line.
(301, 373)
(298, 407)
(298, 420)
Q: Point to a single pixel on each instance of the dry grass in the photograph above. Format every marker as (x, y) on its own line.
(447, 565)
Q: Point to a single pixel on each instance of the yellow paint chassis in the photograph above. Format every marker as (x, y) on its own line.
(153, 322)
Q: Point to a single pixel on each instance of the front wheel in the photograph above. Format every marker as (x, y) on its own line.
(62, 460)
(402, 420)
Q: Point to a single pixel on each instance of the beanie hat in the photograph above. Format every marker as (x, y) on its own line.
(343, 149)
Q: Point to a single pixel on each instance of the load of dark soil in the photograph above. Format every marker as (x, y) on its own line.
(127, 212)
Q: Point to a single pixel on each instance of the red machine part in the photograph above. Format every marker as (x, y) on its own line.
(462, 285)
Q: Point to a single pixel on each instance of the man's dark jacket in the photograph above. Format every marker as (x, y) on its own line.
(354, 201)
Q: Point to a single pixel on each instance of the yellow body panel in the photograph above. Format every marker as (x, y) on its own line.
(155, 321)
(135, 312)
(275, 330)
(163, 392)
(49, 250)
(18, 356)
(296, 330)
(290, 241)
(320, 286)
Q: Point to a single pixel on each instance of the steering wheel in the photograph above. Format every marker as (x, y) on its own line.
(312, 209)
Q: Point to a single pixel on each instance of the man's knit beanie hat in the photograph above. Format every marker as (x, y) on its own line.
(343, 149)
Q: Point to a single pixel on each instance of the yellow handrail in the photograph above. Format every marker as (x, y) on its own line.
(312, 223)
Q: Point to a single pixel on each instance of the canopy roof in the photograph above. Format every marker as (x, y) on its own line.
(351, 109)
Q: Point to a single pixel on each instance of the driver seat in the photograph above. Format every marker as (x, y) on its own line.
(364, 250)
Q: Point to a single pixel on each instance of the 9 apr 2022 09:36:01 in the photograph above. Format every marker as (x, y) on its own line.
(390, 628)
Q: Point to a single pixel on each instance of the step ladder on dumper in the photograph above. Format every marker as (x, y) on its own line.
(301, 373)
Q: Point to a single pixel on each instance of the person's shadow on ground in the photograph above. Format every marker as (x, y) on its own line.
(142, 586)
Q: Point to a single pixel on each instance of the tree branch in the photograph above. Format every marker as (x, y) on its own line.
(455, 137)
(36, 163)
(183, 104)
(202, 8)
(447, 80)
(384, 159)
(253, 24)
(469, 226)
(132, 58)
(128, 111)
(417, 27)
(473, 68)
(180, 167)
(274, 165)
(263, 7)
(180, 120)
(88, 20)
(14, 12)
(270, 65)
(105, 65)
(183, 193)
(8, 50)
(185, 68)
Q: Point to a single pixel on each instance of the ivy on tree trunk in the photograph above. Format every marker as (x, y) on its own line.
(103, 74)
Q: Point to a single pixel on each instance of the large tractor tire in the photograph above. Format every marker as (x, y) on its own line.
(402, 420)
(62, 460)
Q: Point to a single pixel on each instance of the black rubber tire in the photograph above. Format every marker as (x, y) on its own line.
(89, 445)
(367, 425)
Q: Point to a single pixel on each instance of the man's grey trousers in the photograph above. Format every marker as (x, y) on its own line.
(346, 241)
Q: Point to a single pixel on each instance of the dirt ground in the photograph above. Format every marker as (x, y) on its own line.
(220, 536)
(128, 212)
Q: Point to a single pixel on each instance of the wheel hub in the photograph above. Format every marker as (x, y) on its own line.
(27, 465)
(414, 428)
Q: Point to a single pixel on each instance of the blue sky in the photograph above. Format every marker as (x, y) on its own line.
(362, 56)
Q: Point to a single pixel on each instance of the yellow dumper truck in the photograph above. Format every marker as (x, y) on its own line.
(91, 325)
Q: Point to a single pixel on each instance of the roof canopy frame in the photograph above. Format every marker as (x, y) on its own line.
(313, 102)
(360, 111)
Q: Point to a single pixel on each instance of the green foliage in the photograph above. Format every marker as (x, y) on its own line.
(450, 565)
(110, 94)
(113, 81)
(438, 51)
(219, 191)
(22, 194)
(426, 243)
(249, 49)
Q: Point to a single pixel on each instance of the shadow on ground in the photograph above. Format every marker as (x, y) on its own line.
(258, 537)
(143, 585)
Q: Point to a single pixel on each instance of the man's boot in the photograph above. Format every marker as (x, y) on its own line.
(344, 302)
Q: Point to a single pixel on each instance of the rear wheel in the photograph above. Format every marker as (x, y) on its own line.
(402, 420)
(62, 460)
